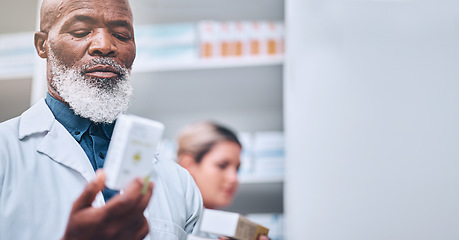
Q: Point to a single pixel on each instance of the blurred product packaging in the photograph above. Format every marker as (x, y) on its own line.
(166, 42)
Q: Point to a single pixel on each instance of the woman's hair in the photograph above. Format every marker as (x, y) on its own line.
(197, 139)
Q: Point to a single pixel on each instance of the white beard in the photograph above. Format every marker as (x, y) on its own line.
(98, 99)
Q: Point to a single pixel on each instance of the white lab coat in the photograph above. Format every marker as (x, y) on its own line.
(43, 170)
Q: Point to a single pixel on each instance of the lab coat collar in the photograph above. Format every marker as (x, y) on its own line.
(36, 119)
(57, 143)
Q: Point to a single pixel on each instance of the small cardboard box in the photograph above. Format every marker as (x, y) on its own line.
(232, 225)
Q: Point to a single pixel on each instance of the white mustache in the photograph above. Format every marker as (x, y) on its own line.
(123, 71)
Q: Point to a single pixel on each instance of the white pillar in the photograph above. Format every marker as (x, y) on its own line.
(372, 120)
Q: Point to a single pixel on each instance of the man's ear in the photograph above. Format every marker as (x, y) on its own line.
(41, 44)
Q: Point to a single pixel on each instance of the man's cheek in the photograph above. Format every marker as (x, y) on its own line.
(129, 57)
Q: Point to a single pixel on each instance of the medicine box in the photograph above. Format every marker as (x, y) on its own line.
(231, 225)
(132, 150)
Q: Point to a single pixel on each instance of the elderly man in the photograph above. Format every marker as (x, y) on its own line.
(49, 188)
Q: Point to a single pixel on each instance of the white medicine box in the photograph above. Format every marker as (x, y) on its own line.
(132, 150)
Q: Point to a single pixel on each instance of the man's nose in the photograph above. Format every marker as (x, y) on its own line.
(102, 44)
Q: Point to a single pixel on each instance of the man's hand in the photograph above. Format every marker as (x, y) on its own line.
(121, 218)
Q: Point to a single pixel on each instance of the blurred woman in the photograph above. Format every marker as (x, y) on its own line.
(211, 153)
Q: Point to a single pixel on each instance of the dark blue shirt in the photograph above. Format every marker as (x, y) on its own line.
(94, 138)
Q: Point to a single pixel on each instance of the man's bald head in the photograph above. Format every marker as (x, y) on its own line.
(52, 11)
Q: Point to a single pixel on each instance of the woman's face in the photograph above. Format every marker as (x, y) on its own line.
(216, 174)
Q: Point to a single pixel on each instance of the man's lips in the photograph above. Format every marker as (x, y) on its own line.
(102, 71)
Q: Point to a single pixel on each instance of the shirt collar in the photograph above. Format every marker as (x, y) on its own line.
(74, 124)
(108, 129)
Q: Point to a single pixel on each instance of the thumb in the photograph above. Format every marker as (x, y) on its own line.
(90, 192)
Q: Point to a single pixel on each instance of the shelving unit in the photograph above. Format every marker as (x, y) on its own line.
(245, 98)
(241, 97)
(244, 94)
(206, 64)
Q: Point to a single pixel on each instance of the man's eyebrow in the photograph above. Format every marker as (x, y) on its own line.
(78, 18)
(89, 19)
(82, 18)
(120, 23)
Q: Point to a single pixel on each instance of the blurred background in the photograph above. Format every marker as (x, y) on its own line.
(347, 109)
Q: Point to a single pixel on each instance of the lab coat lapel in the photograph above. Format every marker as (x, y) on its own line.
(57, 143)
(61, 147)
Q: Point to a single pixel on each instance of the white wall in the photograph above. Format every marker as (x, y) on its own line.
(372, 119)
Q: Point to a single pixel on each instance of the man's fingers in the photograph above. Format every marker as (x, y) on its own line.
(129, 207)
(143, 230)
(90, 192)
(132, 199)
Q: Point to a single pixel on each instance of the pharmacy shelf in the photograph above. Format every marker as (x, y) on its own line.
(202, 64)
(243, 98)
(181, 66)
